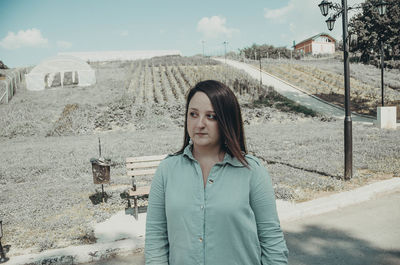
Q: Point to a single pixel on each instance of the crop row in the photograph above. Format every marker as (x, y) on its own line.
(151, 82)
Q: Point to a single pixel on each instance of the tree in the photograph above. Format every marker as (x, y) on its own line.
(265, 51)
(370, 29)
(3, 66)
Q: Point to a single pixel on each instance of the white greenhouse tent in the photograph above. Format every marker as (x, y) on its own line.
(61, 66)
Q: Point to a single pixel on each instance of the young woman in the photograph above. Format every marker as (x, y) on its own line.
(212, 203)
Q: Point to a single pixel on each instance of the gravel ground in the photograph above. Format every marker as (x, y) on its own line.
(47, 195)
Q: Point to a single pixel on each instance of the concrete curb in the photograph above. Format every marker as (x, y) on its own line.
(79, 254)
(290, 211)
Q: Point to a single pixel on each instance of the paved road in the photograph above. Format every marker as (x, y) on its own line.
(294, 93)
(363, 234)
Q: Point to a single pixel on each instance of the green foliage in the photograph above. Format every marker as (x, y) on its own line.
(276, 100)
(370, 29)
(265, 51)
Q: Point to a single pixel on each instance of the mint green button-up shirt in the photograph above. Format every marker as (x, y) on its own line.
(232, 221)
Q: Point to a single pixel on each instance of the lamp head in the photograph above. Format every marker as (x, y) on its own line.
(381, 6)
(324, 7)
(330, 22)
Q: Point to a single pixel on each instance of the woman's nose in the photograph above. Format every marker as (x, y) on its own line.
(201, 121)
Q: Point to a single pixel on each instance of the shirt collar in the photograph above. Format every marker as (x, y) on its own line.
(227, 158)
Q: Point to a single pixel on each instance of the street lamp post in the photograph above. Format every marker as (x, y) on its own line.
(348, 142)
(341, 10)
(382, 65)
(381, 6)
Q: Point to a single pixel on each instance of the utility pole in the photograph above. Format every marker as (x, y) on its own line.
(225, 43)
(260, 79)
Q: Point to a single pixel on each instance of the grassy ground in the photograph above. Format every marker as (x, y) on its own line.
(47, 138)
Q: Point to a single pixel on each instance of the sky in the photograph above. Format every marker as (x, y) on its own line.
(33, 30)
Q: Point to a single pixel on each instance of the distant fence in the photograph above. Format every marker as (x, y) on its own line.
(10, 80)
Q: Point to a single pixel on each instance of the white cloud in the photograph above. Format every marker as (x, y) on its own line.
(124, 33)
(279, 14)
(214, 27)
(28, 38)
(301, 19)
(64, 44)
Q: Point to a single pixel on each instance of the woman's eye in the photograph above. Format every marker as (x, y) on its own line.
(212, 116)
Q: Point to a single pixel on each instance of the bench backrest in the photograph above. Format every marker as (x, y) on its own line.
(143, 166)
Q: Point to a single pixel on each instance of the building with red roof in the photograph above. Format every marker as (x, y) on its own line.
(321, 43)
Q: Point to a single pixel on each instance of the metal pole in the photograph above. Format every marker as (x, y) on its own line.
(3, 257)
(260, 79)
(382, 66)
(225, 42)
(99, 148)
(348, 142)
(102, 192)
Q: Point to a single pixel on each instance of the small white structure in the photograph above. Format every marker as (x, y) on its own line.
(43, 75)
(386, 118)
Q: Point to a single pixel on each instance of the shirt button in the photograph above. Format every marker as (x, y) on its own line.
(211, 181)
(200, 239)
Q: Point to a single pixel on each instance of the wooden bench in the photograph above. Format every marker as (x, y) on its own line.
(138, 167)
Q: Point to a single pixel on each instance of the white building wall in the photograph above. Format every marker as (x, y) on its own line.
(323, 48)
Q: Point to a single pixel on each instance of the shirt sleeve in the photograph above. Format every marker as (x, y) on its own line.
(270, 235)
(156, 241)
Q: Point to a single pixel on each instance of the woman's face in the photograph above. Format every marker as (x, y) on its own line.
(202, 124)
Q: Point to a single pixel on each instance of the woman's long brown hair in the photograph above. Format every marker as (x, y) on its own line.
(229, 117)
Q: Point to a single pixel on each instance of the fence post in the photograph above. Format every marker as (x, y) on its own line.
(6, 92)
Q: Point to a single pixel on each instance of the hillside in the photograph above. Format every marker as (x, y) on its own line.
(324, 79)
(136, 108)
